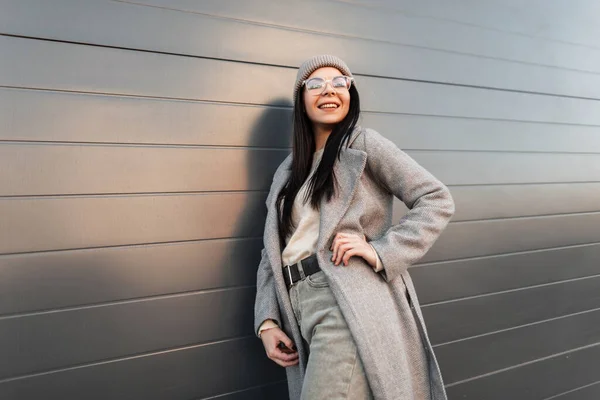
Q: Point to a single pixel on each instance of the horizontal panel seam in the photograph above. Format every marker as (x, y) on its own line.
(243, 287)
(465, 85)
(545, 216)
(516, 327)
(520, 289)
(572, 390)
(279, 106)
(220, 192)
(509, 254)
(26, 253)
(149, 97)
(367, 39)
(459, 185)
(522, 365)
(448, 116)
(255, 237)
(133, 194)
(166, 145)
(141, 50)
(469, 24)
(171, 145)
(127, 358)
(111, 303)
(133, 245)
(243, 390)
(235, 191)
(527, 216)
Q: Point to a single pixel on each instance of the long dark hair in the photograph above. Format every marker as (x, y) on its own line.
(323, 181)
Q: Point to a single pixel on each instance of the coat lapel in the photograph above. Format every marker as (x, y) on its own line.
(348, 170)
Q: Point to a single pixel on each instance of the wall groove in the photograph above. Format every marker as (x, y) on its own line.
(521, 365)
(512, 328)
(119, 359)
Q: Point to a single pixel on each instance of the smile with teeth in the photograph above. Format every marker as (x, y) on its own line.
(328, 105)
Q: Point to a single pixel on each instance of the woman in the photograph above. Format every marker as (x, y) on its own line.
(333, 281)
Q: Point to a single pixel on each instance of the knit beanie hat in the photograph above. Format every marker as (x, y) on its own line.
(312, 64)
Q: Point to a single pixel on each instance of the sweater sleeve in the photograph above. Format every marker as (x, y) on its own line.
(378, 266)
(267, 324)
(429, 201)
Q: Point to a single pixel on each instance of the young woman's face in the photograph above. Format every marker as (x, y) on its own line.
(327, 106)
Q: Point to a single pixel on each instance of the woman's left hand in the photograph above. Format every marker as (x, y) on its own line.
(346, 245)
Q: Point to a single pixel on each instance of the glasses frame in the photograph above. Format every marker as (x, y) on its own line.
(330, 81)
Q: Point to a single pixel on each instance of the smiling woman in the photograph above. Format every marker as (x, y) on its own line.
(335, 304)
(325, 111)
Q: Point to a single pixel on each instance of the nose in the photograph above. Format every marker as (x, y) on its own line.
(328, 89)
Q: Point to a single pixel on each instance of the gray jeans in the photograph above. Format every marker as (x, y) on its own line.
(334, 369)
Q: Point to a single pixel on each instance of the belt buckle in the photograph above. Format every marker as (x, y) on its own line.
(290, 275)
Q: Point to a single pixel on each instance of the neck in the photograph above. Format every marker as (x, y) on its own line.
(321, 133)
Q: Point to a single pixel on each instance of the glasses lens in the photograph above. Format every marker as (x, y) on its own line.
(315, 83)
(340, 82)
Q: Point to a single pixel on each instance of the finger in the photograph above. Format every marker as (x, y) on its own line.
(345, 246)
(281, 336)
(336, 248)
(278, 355)
(338, 236)
(290, 359)
(342, 250)
(336, 243)
(286, 363)
(349, 254)
(281, 356)
(339, 254)
(335, 237)
(275, 353)
(290, 363)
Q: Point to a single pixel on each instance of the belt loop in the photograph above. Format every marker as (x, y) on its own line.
(301, 269)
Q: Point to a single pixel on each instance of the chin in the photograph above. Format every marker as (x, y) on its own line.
(331, 120)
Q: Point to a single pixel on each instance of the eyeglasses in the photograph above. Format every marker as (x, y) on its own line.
(316, 85)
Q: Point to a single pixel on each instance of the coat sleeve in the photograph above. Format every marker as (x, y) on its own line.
(265, 306)
(429, 201)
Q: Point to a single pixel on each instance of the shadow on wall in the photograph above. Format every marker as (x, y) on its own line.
(271, 136)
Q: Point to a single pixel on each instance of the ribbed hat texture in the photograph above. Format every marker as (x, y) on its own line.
(309, 66)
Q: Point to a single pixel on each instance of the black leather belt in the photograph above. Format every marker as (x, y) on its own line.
(291, 273)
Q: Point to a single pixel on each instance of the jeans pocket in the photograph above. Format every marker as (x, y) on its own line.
(317, 280)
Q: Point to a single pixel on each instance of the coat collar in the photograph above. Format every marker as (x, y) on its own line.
(348, 170)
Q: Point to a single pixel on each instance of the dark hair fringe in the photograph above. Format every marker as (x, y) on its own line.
(323, 182)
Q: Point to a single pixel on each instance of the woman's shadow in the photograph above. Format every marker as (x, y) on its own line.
(268, 145)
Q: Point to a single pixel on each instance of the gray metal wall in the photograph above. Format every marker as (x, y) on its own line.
(138, 142)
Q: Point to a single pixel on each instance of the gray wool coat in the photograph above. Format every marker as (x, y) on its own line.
(390, 335)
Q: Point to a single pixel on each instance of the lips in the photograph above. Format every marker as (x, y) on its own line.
(329, 106)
